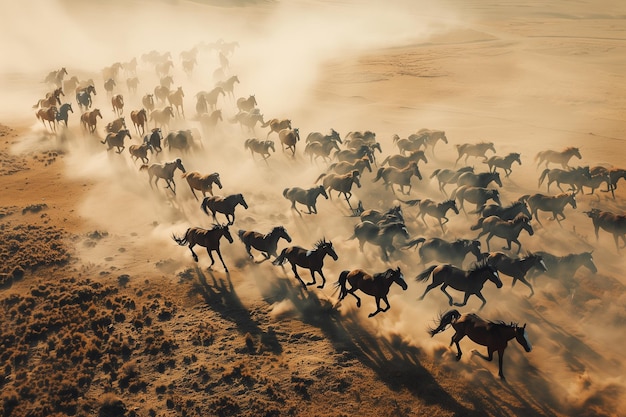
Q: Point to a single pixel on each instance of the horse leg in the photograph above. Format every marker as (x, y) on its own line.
(295, 272)
(489, 356)
(456, 339)
(219, 253)
(479, 295)
(195, 257)
(523, 281)
(450, 300)
(430, 287)
(193, 192)
(384, 298)
(358, 300)
(323, 278)
(378, 309)
(211, 256)
(519, 245)
(487, 240)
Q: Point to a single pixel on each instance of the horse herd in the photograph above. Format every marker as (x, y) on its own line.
(347, 161)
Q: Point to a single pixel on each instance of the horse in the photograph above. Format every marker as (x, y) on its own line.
(401, 161)
(563, 267)
(111, 72)
(516, 267)
(447, 176)
(319, 137)
(261, 147)
(437, 249)
(392, 215)
(130, 67)
(117, 101)
(116, 125)
(83, 97)
(505, 229)
(163, 68)
(132, 84)
(574, 177)
(477, 150)
(246, 104)
(433, 209)
(611, 222)
(176, 100)
(431, 137)
(88, 120)
(166, 81)
(468, 281)
(116, 140)
(225, 205)
(69, 86)
(162, 116)
(52, 99)
(289, 138)
(555, 157)
(56, 77)
(161, 92)
(341, 183)
(140, 120)
(405, 145)
(267, 244)
(505, 213)
(402, 177)
(247, 119)
(555, 204)
(367, 136)
(48, 114)
(140, 152)
(381, 236)
(154, 139)
(148, 102)
(189, 65)
(503, 162)
(182, 140)
(475, 195)
(376, 285)
(494, 335)
(615, 174)
(312, 259)
(350, 155)
(202, 107)
(201, 182)
(211, 96)
(346, 167)
(228, 86)
(209, 121)
(595, 181)
(208, 238)
(109, 85)
(482, 179)
(63, 113)
(306, 197)
(317, 149)
(165, 171)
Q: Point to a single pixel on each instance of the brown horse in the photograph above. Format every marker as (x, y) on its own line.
(611, 222)
(201, 182)
(209, 121)
(318, 149)
(563, 267)
(162, 117)
(289, 138)
(261, 147)
(555, 204)
(475, 195)
(433, 209)
(494, 335)
(267, 244)
(401, 161)
(211, 96)
(132, 84)
(48, 114)
(52, 99)
(516, 267)
(117, 101)
(505, 229)
(392, 215)
(340, 183)
(402, 177)
(140, 120)
(345, 167)
(116, 140)
(148, 102)
(555, 157)
(89, 119)
(116, 125)
(477, 150)
(381, 236)
(574, 177)
(165, 171)
(351, 155)
(437, 249)
(320, 137)
(276, 125)
(228, 85)
(430, 138)
(161, 92)
(210, 239)
(176, 100)
(482, 179)
(306, 197)
(246, 104)
(225, 205)
(312, 259)
(503, 162)
(140, 152)
(505, 213)
(470, 282)
(376, 285)
(447, 176)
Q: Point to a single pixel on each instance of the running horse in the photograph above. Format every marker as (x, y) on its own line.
(611, 222)
(471, 281)
(162, 117)
(447, 176)
(210, 239)
(351, 155)
(52, 99)
(318, 149)
(116, 140)
(116, 125)
(437, 249)
(165, 171)
(289, 138)
(211, 96)
(555, 157)
(154, 139)
(505, 162)
(225, 205)
(140, 152)
(262, 147)
(246, 104)
(505, 213)
(201, 182)
(228, 86)
(89, 119)
(376, 285)
(574, 177)
(345, 167)
(392, 215)
(63, 114)
(267, 244)
(175, 99)
(433, 209)
(475, 195)
(48, 114)
(148, 102)
(494, 335)
(516, 268)
(381, 236)
(563, 267)
(402, 177)
(306, 197)
(341, 183)
(140, 120)
(83, 97)
(555, 204)
(505, 229)
(117, 101)
(482, 179)
(208, 121)
(430, 138)
(477, 150)
(311, 259)
(401, 161)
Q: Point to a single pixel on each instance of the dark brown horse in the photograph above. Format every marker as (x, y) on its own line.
(116, 140)
(401, 161)
(165, 171)
(381, 236)
(376, 285)
(48, 114)
(470, 282)
(447, 176)
(482, 179)
(140, 120)
(402, 177)
(341, 183)
(347, 167)
(392, 215)
(117, 102)
(494, 335)
(63, 113)
(437, 249)
(505, 213)
(505, 229)
(140, 152)
(289, 138)
(611, 222)
(262, 147)
(563, 267)
(265, 243)
(574, 177)
(307, 197)
(89, 120)
(554, 204)
(555, 157)
(320, 137)
(433, 209)
(477, 150)
(204, 183)
(154, 139)
(311, 259)
(225, 205)
(210, 239)
(475, 195)
(504, 162)
(516, 267)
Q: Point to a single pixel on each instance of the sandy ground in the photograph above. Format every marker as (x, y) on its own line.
(111, 317)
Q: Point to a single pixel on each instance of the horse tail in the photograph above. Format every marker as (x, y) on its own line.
(411, 203)
(385, 160)
(266, 124)
(185, 174)
(341, 282)
(479, 224)
(524, 198)
(413, 243)
(285, 192)
(143, 167)
(182, 241)
(379, 174)
(320, 177)
(444, 321)
(435, 172)
(281, 258)
(423, 276)
(543, 176)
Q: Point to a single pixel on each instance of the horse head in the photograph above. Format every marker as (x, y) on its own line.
(525, 223)
(588, 261)
(493, 276)
(282, 232)
(522, 338)
(451, 204)
(416, 171)
(576, 152)
(179, 163)
(495, 195)
(472, 246)
(216, 179)
(355, 177)
(496, 178)
(226, 232)
(398, 277)
(321, 190)
(327, 247)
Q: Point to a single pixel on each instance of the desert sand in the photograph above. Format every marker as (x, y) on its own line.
(104, 314)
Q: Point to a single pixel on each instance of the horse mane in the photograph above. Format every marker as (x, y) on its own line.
(520, 217)
(449, 201)
(570, 149)
(320, 243)
(480, 265)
